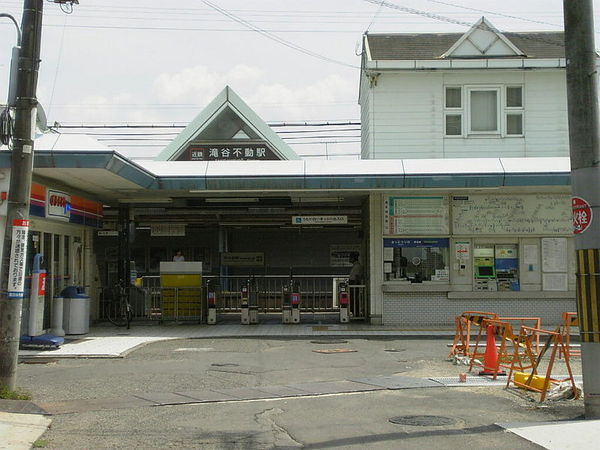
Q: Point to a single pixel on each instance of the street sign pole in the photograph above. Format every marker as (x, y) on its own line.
(12, 269)
(582, 94)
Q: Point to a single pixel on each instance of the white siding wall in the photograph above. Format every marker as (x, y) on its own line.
(403, 117)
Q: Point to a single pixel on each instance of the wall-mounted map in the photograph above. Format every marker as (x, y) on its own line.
(512, 214)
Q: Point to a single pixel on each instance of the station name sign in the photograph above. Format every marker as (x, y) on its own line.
(228, 152)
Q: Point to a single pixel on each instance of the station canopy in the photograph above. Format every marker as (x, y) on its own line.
(227, 130)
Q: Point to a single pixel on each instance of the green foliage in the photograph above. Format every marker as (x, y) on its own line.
(8, 394)
(40, 443)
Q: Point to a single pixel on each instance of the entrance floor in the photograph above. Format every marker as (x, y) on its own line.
(108, 341)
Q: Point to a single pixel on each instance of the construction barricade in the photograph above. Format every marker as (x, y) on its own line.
(465, 324)
(570, 320)
(524, 370)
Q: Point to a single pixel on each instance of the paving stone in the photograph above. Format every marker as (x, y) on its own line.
(282, 391)
(207, 396)
(20, 407)
(165, 398)
(398, 382)
(246, 393)
(333, 387)
(97, 404)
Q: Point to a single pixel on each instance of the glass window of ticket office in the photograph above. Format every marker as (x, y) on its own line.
(416, 259)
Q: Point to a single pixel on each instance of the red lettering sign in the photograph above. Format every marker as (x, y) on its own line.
(582, 214)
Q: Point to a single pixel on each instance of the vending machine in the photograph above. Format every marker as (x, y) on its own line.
(507, 267)
(484, 269)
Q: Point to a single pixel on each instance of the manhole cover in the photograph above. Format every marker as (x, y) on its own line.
(225, 365)
(329, 341)
(394, 350)
(423, 421)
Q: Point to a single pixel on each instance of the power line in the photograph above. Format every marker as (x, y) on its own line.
(276, 38)
(495, 13)
(307, 123)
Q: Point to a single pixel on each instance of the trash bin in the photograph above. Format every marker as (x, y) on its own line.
(76, 310)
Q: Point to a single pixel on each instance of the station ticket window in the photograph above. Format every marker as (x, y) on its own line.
(416, 259)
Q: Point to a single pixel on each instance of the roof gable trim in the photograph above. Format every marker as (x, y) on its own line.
(482, 40)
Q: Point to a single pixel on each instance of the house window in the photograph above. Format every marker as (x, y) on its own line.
(483, 110)
(453, 106)
(514, 110)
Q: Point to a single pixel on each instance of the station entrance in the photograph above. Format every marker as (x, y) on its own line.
(280, 258)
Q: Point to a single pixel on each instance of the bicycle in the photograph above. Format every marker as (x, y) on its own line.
(119, 311)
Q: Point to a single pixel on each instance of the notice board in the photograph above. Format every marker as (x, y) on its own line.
(512, 214)
(415, 215)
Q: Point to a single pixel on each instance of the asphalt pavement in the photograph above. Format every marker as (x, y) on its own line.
(284, 392)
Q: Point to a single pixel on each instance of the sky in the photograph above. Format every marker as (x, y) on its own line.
(139, 61)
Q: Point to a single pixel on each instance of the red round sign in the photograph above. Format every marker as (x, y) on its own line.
(582, 215)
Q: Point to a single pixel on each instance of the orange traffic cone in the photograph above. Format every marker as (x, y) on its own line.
(490, 358)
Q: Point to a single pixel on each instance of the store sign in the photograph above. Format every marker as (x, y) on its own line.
(416, 243)
(319, 220)
(58, 205)
(228, 152)
(243, 259)
(18, 250)
(582, 215)
(167, 229)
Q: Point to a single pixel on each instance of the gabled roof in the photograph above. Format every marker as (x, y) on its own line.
(482, 40)
(226, 117)
(432, 46)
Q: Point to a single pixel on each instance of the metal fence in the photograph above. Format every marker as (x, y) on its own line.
(150, 301)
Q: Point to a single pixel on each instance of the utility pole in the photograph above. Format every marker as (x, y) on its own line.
(12, 269)
(582, 97)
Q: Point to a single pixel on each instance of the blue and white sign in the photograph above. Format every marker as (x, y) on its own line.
(417, 243)
(319, 220)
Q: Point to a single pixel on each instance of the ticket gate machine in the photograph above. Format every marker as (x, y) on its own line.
(344, 302)
(291, 302)
(249, 304)
(211, 302)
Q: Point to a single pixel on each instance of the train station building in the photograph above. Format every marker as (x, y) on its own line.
(461, 200)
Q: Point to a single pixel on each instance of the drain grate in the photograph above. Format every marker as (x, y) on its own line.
(225, 365)
(329, 341)
(423, 421)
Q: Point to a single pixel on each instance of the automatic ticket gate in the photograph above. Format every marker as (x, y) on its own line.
(344, 302)
(211, 302)
(249, 304)
(291, 302)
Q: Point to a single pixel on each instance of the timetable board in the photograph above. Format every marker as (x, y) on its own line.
(512, 214)
(415, 215)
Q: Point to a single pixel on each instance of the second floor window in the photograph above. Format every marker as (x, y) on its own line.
(483, 110)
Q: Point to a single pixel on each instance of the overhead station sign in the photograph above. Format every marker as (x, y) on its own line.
(319, 220)
(228, 151)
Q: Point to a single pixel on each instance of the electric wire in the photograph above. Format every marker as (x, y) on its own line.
(276, 38)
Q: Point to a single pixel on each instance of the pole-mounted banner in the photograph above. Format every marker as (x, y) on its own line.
(18, 252)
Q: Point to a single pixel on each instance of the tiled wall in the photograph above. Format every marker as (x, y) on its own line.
(435, 309)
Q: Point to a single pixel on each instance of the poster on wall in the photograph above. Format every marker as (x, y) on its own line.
(339, 254)
(415, 215)
(554, 282)
(18, 250)
(554, 254)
